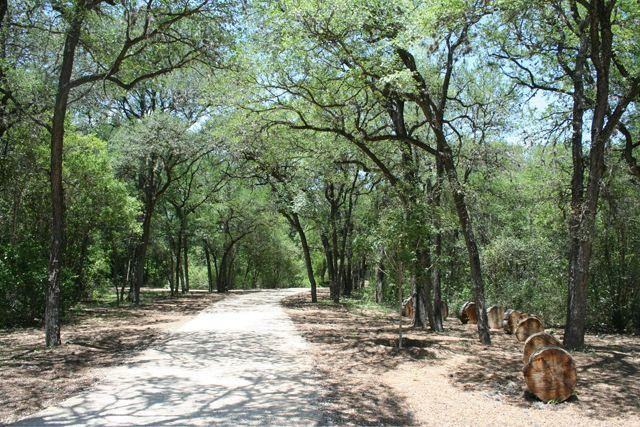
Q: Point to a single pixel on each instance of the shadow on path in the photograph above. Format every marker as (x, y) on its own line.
(239, 362)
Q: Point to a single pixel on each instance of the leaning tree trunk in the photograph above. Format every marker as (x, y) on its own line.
(52, 309)
(294, 220)
(469, 237)
(435, 116)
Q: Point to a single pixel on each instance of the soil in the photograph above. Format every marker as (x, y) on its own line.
(32, 377)
(450, 378)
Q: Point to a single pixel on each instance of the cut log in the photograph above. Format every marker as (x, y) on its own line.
(468, 313)
(551, 374)
(512, 319)
(537, 341)
(527, 327)
(407, 307)
(495, 313)
(444, 310)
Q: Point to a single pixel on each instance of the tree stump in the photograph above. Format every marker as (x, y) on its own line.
(495, 313)
(407, 307)
(511, 320)
(537, 341)
(527, 327)
(551, 374)
(468, 313)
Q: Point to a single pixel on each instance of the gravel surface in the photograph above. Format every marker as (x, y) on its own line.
(241, 361)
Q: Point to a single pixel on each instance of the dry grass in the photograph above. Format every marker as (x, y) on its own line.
(451, 378)
(33, 376)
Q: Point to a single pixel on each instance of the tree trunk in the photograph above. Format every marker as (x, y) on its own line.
(186, 263)
(172, 269)
(220, 282)
(422, 290)
(380, 279)
(604, 121)
(207, 255)
(438, 324)
(348, 257)
(435, 117)
(52, 309)
(333, 282)
(294, 219)
(576, 295)
(141, 254)
(323, 271)
(470, 241)
(127, 278)
(399, 293)
(335, 254)
(178, 256)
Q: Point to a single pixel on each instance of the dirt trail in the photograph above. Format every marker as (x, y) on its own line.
(241, 361)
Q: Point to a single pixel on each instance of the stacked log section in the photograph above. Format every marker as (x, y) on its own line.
(512, 319)
(536, 342)
(527, 327)
(468, 313)
(495, 314)
(551, 374)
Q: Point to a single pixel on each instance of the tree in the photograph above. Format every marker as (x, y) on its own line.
(381, 80)
(123, 58)
(590, 68)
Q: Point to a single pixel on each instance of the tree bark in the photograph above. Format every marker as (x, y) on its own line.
(576, 295)
(470, 241)
(438, 324)
(294, 220)
(423, 309)
(141, 253)
(434, 114)
(207, 255)
(178, 256)
(333, 282)
(380, 283)
(185, 247)
(52, 309)
(604, 121)
(172, 268)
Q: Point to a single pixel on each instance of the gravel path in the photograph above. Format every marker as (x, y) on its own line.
(241, 361)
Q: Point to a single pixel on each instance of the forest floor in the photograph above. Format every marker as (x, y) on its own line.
(96, 336)
(450, 378)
